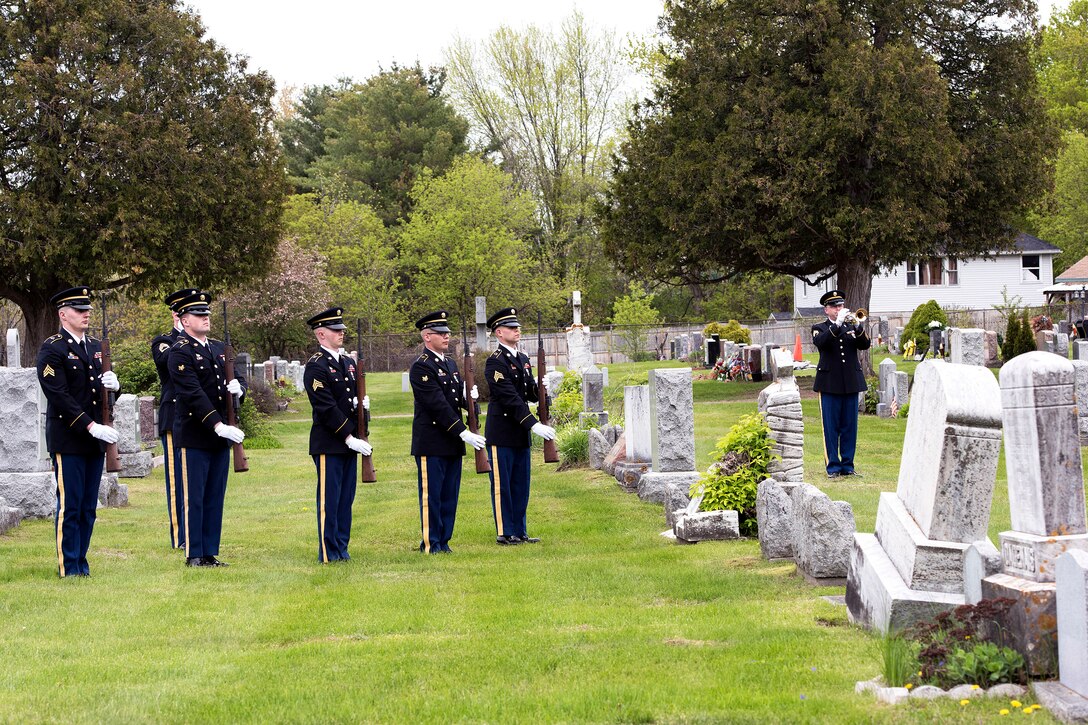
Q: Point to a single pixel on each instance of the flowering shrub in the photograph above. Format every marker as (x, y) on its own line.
(730, 483)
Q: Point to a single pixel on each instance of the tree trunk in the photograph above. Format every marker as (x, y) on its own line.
(41, 322)
(855, 278)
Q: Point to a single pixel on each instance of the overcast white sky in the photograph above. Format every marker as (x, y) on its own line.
(315, 42)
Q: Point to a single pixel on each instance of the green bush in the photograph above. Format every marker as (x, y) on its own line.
(730, 483)
(262, 396)
(731, 330)
(984, 663)
(573, 445)
(917, 328)
(567, 401)
(872, 395)
(131, 360)
(1018, 336)
(255, 424)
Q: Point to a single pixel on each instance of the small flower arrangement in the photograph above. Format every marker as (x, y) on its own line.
(935, 325)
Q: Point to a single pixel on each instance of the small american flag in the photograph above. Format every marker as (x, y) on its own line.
(895, 407)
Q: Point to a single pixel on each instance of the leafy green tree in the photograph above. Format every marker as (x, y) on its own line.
(801, 137)
(751, 296)
(548, 105)
(381, 134)
(918, 326)
(469, 235)
(1063, 219)
(1062, 61)
(360, 262)
(133, 154)
(634, 312)
(302, 131)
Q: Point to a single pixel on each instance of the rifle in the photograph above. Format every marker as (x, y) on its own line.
(363, 421)
(113, 461)
(241, 465)
(551, 453)
(482, 465)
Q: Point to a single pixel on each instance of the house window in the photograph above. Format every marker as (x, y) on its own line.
(1029, 268)
(932, 271)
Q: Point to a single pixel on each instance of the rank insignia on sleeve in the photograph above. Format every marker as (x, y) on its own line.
(498, 376)
(48, 372)
(317, 384)
(163, 346)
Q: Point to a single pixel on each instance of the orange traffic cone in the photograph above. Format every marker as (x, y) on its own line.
(797, 349)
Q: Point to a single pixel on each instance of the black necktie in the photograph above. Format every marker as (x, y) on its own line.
(83, 347)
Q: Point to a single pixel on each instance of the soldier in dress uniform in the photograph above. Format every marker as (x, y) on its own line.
(438, 432)
(160, 348)
(203, 440)
(510, 379)
(839, 379)
(70, 373)
(329, 380)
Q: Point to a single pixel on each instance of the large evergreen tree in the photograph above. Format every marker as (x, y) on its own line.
(132, 153)
(809, 135)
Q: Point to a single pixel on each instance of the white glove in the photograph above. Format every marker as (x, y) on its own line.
(234, 388)
(109, 381)
(104, 433)
(232, 434)
(474, 393)
(366, 402)
(476, 441)
(358, 444)
(841, 317)
(544, 431)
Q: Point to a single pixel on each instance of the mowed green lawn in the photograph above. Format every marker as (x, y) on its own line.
(605, 621)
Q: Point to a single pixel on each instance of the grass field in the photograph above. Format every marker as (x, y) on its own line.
(604, 621)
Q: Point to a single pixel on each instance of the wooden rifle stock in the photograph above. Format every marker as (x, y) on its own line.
(551, 452)
(113, 460)
(369, 475)
(482, 464)
(238, 451)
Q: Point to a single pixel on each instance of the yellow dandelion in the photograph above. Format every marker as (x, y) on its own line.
(1016, 703)
(964, 701)
(975, 687)
(909, 685)
(967, 637)
(919, 673)
(1003, 711)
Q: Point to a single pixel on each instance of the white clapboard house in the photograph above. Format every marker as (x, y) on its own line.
(1026, 271)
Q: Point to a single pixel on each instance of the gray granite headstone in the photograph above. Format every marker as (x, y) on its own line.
(1080, 350)
(22, 407)
(708, 526)
(823, 532)
(1061, 344)
(126, 419)
(598, 448)
(672, 420)
(968, 346)
(774, 517)
(636, 416)
(780, 404)
(244, 361)
(992, 358)
(912, 568)
(592, 390)
(1073, 621)
(14, 358)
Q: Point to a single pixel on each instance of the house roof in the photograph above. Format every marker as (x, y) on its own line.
(1028, 243)
(781, 316)
(1077, 273)
(810, 311)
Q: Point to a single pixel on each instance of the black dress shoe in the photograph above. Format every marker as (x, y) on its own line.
(834, 474)
(195, 561)
(212, 561)
(853, 473)
(507, 540)
(529, 540)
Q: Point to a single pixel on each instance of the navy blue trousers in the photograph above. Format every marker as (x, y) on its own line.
(439, 486)
(78, 478)
(840, 419)
(335, 495)
(510, 474)
(204, 485)
(175, 495)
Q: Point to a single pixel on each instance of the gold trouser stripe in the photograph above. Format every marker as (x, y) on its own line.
(59, 468)
(823, 433)
(321, 495)
(185, 495)
(424, 505)
(496, 489)
(171, 476)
